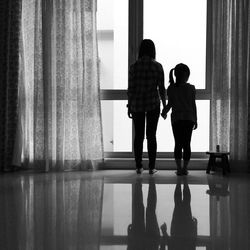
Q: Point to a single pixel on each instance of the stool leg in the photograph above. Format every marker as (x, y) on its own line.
(209, 165)
(211, 162)
(223, 163)
(227, 164)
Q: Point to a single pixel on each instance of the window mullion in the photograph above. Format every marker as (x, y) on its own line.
(135, 28)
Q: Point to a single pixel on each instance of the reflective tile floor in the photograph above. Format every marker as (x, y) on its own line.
(118, 210)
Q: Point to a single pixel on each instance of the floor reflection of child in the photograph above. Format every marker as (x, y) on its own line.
(143, 236)
(184, 225)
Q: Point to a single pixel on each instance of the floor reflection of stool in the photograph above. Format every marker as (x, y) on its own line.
(212, 161)
(218, 190)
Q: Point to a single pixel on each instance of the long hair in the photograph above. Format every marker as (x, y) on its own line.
(147, 48)
(181, 72)
(171, 78)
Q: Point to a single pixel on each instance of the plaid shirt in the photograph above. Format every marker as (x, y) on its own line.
(146, 85)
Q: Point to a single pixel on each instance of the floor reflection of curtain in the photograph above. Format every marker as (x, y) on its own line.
(220, 222)
(240, 207)
(89, 214)
(16, 214)
(56, 213)
(220, 213)
(59, 85)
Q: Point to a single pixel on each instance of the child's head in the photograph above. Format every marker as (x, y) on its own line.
(147, 48)
(181, 72)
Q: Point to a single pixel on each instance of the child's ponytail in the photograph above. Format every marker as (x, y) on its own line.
(171, 78)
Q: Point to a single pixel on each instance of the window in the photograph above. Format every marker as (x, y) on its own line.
(178, 30)
(121, 27)
(112, 29)
(117, 128)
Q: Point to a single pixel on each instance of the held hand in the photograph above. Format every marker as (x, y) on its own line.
(164, 228)
(164, 113)
(129, 114)
(129, 229)
(164, 116)
(195, 126)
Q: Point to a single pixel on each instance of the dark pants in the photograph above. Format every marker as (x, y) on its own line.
(182, 131)
(151, 118)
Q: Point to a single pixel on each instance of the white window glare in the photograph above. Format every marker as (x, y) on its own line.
(112, 29)
(178, 29)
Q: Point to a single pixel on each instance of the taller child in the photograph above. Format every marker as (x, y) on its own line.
(145, 90)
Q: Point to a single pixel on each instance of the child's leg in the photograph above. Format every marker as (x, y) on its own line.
(178, 194)
(152, 122)
(188, 128)
(187, 199)
(139, 125)
(177, 131)
(178, 165)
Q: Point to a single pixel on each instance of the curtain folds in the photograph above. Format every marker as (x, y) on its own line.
(10, 12)
(228, 22)
(59, 85)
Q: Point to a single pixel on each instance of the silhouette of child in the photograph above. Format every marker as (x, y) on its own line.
(181, 98)
(141, 235)
(146, 90)
(183, 226)
(137, 230)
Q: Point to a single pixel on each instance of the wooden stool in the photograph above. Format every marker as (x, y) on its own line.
(212, 161)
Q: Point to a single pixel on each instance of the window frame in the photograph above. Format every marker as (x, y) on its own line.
(135, 35)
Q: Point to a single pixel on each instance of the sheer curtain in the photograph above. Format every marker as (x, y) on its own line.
(229, 26)
(59, 95)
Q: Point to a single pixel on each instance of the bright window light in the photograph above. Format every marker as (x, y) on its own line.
(117, 127)
(112, 29)
(200, 136)
(178, 29)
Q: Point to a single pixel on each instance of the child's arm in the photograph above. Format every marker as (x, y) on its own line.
(195, 110)
(131, 90)
(166, 110)
(161, 85)
(168, 106)
(195, 124)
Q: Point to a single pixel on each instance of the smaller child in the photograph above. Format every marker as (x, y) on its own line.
(181, 98)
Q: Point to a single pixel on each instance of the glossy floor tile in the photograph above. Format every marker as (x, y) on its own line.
(118, 210)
